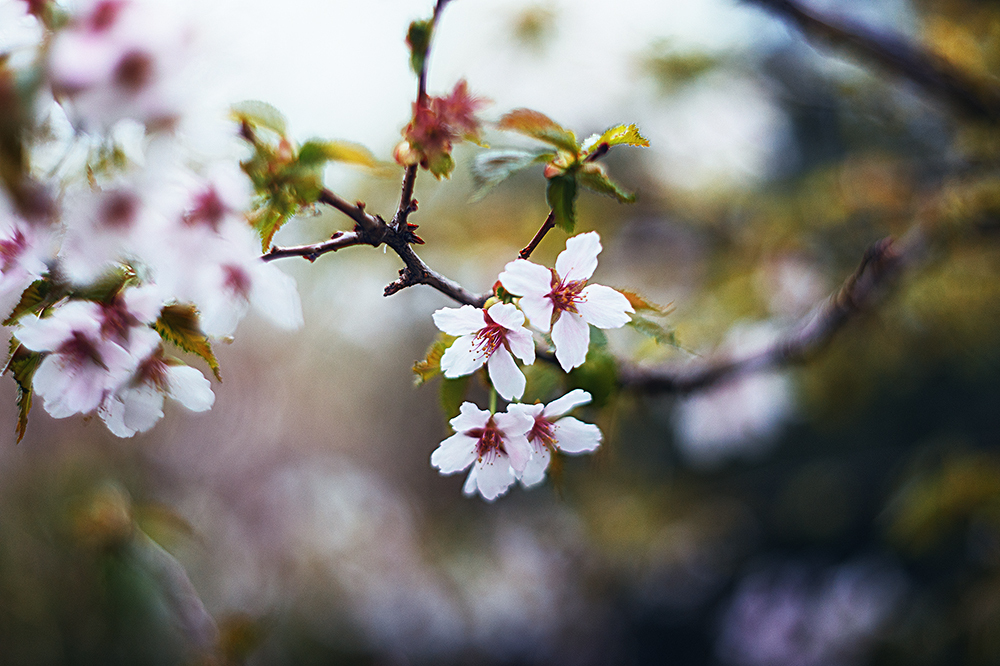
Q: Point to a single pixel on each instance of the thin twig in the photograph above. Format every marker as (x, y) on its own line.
(314, 251)
(892, 52)
(878, 270)
(550, 221)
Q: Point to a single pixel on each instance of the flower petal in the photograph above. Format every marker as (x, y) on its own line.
(462, 357)
(571, 336)
(507, 315)
(538, 309)
(471, 484)
(534, 471)
(190, 388)
(454, 454)
(566, 404)
(494, 477)
(459, 321)
(573, 436)
(469, 418)
(522, 344)
(579, 260)
(506, 377)
(524, 278)
(604, 307)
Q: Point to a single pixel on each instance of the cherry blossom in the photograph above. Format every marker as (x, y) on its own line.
(490, 337)
(561, 299)
(494, 444)
(138, 404)
(25, 250)
(551, 429)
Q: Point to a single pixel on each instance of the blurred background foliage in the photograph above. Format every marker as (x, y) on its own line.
(845, 511)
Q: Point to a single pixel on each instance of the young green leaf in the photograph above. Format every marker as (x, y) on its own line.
(452, 395)
(561, 196)
(22, 365)
(39, 295)
(492, 167)
(178, 324)
(418, 38)
(640, 303)
(317, 152)
(430, 366)
(619, 135)
(259, 114)
(595, 178)
(663, 335)
(539, 126)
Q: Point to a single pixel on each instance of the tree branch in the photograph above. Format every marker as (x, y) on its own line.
(930, 72)
(879, 268)
(550, 221)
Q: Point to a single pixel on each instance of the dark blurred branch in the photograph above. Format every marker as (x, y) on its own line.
(930, 72)
(878, 271)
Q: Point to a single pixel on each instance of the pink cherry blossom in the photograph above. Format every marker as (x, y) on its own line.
(561, 299)
(494, 444)
(489, 337)
(24, 251)
(138, 404)
(551, 429)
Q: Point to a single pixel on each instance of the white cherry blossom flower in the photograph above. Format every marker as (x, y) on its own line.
(551, 429)
(24, 250)
(494, 444)
(561, 299)
(138, 404)
(81, 366)
(489, 337)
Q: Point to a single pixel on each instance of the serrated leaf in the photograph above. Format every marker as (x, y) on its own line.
(22, 365)
(418, 38)
(39, 295)
(178, 324)
(318, 152)
(109, 285)
(539, 126)
(593, 177)
(619, 135)
(430, 366)
(259, 114)
(452, 395)
(661, 334)
(561, 197)
(492, 167)
(267, 221)
(640, 303)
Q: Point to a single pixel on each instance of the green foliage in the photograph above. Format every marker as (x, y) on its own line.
(22, 365)
(539, 126)
(599, 373)
(430, 366)
(492, 167)
(452, 394)
(560, 194)
(178, 324)
(317, 152)
(39, 295)
(260, 115)
(594, 177)
(418, 38)
(663, 335)
(619, 135)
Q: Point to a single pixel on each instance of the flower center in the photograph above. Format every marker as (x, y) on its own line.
(80, 349)
(565, 295)
(11, 248)
(153, 371)
(490, 444)
(542, 433)
(490, 337)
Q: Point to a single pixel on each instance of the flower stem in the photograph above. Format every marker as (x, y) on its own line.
(493, 400)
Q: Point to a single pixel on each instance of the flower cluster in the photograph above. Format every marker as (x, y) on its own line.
(518, 444)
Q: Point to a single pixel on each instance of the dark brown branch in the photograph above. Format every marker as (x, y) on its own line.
(878, 270)
(312, 252)
(550, 221)
(930, 72)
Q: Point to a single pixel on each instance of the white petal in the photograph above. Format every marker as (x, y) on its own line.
(459, 321)
(454, 454)
(518, 451)
(530, 410)
(507, 315)
(506, 377)
(143, 408)
(462, 358)
(579, 260)
(144, 303)
(469, 417)
(524, 278)
(573, 436)
(190, 388)
(538, 309)
(471, 484)
(604, 307)
(566, 404)
(494, 477)
(523, 345)
(571, 336)
(516, 421)
(534, 471)
(112, 412)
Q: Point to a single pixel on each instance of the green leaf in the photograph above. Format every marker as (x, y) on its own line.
(492, 167)
(22, 365)
(430, 366)
(318, 152)
(108, 285)
(259, 114)
(267, 221)
(178, 324)
(418, 38)
(661, 334)
(539, 126)
(640, 303)
(594, 178)
(619, 135)
(561, 196)
(39, 295)
(599, 373)
(452, 395)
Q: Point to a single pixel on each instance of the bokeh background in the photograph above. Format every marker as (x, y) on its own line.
(845, 511)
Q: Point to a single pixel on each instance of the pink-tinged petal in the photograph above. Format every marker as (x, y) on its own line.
(469, 417)
(144, 303)
(471, 485)
(190, 388)
(112, 412)
(571, 336)
(524, 278)
(494, 477)
(507, 315)
(143, 408)
(459, 321)
(604, 307)
(538, 310)
(506, 377)
(42, 334)
(522, 344)
(566, 404)
(454, 454)
(579, 260)
(518, 451)
(534, 471)
(275, 295)
(573, 436)
(462, 357)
